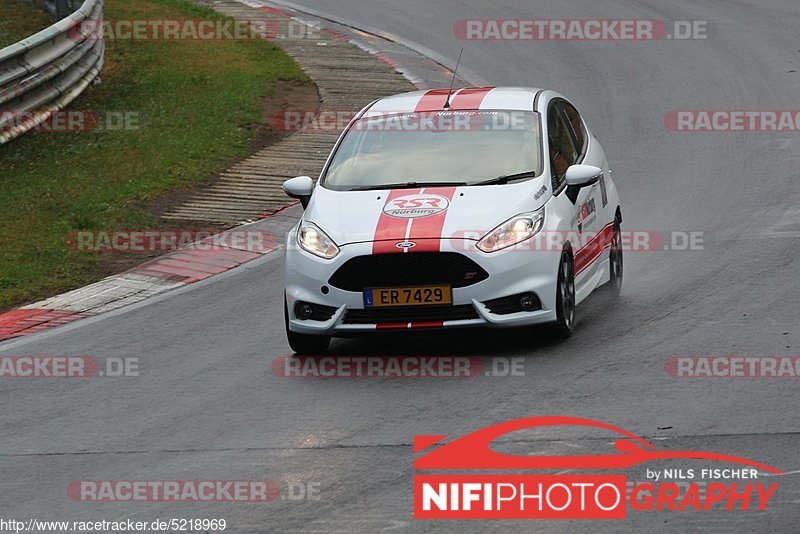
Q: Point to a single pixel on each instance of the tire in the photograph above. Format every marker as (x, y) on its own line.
(304, 344)
(615, 263)
(565, 298)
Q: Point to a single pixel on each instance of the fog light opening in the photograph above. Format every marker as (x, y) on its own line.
(303, 310)
(528, 302)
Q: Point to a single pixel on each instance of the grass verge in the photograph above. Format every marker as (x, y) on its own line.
(196, 106)
(19, 19)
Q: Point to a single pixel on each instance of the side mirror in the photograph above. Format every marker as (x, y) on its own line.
(299, 188)
(583, 175)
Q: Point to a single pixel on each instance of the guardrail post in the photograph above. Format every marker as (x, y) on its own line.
(39, 4)
(63, 9)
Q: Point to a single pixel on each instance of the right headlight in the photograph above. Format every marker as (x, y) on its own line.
(513, 231)
(312, 239)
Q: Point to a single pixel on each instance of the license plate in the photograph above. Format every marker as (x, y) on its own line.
(407, 296)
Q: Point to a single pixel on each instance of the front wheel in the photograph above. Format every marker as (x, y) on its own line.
(304, 344)
(615, 261)
(565, 298)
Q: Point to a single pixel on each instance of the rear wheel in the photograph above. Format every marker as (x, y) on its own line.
(304, 344)
(615, 261)
(565, 297)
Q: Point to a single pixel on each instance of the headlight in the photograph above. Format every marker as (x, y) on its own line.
(513, 231)
(313, 240)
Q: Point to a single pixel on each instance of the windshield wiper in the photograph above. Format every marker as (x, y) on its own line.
(507, 178)
(407, 185)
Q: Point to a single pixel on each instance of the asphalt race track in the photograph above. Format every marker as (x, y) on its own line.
(208, 406)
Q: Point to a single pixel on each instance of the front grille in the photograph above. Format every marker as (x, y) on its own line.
(410, 314)
(407, 269)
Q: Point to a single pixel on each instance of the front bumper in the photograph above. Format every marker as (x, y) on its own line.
(511, 272)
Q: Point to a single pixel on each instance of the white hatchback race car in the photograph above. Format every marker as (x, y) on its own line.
(481, 206)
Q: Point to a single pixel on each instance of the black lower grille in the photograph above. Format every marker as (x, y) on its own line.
(508, 305)
(319, 312)
(407, 269)
(410, 314)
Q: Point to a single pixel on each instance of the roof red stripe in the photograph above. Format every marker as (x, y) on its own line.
(433, 100)
(469, 98)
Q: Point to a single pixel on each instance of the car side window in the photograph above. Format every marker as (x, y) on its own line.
(563, 153)
(576, 125)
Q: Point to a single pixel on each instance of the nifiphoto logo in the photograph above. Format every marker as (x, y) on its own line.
(541, 494)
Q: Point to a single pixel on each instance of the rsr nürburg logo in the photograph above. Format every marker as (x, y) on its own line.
(489, 491)
(415, 206)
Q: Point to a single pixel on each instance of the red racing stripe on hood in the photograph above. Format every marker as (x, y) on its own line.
(426, 232)
(390, 229)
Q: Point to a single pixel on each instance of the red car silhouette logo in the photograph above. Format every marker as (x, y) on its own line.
(473, 450)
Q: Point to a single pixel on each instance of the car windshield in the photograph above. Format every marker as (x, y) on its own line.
(448, 147)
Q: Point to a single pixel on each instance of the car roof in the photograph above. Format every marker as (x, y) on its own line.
(466, 98)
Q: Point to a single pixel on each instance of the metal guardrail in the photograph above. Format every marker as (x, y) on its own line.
(44, 73)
